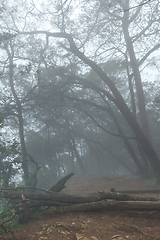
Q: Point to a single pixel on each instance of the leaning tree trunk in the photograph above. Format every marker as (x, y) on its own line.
(116, 98)
(119, 102)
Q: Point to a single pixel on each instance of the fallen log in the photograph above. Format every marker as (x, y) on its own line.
(60, 198)
(107, 205)
(24, 200)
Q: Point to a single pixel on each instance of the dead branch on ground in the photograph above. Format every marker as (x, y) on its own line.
(24, 200)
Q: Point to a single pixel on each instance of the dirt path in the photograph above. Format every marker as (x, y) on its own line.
(104, 225)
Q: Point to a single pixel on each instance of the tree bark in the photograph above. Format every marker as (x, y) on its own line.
(108, 205)
(68, 199)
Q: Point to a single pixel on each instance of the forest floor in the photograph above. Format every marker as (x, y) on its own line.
(101, 225)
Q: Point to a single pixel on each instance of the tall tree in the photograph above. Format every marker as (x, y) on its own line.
(19, 112)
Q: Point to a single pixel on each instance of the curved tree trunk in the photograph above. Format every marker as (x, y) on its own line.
(116, 98)
(119, 102)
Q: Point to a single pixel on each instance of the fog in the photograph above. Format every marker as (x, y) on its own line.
(79, 90)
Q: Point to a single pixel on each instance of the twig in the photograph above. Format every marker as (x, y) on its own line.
(98, 233)
(7, 220)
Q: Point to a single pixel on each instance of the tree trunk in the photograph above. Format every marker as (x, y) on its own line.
(79, 159)
(20, 117)
(107, 205)
(138, 83)
(23, 144)
(137, 77)
(58, 199)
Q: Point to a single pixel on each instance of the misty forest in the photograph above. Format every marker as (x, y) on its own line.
(79, 90)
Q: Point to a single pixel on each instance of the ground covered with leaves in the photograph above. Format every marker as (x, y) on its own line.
(103, 225)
